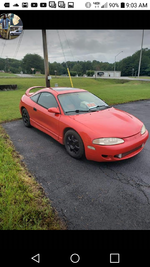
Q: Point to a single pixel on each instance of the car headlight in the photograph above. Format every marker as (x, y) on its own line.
(143, 130)
(108, 141)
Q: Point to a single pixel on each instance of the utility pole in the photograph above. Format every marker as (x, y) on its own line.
(45, 58)
(141, 54)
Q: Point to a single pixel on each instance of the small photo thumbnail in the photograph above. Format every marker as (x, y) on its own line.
(11, 26)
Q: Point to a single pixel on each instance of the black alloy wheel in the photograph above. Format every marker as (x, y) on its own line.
(25, 117)
(73, 144)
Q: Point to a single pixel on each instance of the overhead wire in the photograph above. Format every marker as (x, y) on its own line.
(17, 49)
(68, 45)
(62, 48)
(19, 43)
(65, 59)
(4, 44)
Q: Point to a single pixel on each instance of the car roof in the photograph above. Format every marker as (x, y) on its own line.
(62, 90)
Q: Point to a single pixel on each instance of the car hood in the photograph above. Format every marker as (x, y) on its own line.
(110, 122)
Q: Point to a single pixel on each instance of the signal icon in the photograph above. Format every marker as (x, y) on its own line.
(105, 5)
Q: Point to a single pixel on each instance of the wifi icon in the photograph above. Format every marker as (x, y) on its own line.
(105, 5)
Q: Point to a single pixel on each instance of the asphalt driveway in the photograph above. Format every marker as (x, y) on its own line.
(86, 194)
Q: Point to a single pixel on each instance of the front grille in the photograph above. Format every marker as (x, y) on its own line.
(128, 152)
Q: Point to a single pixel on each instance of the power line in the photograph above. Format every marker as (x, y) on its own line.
(3, 47)
(62, 48)
(18, 46)
(65, 60)
(69, 46)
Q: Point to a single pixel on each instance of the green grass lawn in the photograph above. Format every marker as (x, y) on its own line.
(3, 74)
(23, 204)
(112, 91)
(121, 91)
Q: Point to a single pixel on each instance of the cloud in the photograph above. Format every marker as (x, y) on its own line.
(101, 45)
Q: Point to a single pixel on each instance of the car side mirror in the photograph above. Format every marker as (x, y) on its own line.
(54, 110)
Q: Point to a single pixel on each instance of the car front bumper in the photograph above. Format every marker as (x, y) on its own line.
(131, 147)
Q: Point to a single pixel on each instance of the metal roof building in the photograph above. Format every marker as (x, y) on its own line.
(107, 73)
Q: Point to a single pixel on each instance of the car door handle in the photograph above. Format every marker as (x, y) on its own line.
(34, 109)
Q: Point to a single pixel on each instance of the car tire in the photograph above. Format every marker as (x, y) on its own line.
(25, 117)
(74, 144)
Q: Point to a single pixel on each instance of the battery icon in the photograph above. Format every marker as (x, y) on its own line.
(122, 5)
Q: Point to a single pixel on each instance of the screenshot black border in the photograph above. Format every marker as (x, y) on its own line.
(88, 244)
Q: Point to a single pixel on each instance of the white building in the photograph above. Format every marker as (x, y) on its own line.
(101, 73)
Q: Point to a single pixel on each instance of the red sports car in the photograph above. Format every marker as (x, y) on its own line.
(84, 123)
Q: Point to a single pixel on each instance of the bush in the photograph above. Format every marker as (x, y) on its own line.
(90, 73)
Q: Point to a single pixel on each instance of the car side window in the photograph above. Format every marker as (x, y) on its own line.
(47, 100)
(35, 97)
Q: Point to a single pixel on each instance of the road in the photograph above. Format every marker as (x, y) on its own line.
(86, 194)
(120, 78)
(28, 76)
(127, 78)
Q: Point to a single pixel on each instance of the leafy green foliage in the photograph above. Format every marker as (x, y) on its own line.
(90, 73)
(128, 66)
(32, 61)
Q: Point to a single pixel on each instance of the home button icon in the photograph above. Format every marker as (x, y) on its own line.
(75, 258)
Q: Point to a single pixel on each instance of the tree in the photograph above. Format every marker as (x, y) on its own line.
(33, 61)
(14, 65)
(73, 73)
(148, 70)
(126, 66)
(2, 63)
(96, 65)
(77, 67)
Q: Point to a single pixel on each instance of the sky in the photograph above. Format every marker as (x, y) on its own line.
(82, 45)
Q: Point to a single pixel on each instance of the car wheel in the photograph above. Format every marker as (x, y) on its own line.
(73, 144)
(25, 117)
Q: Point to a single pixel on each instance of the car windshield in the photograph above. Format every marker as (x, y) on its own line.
(81, 102)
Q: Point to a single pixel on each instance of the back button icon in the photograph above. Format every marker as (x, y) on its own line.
(36, 258)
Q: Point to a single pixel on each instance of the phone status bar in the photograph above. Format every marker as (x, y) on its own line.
(74, 5)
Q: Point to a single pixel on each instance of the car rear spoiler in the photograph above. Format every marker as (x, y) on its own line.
(29, 89)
